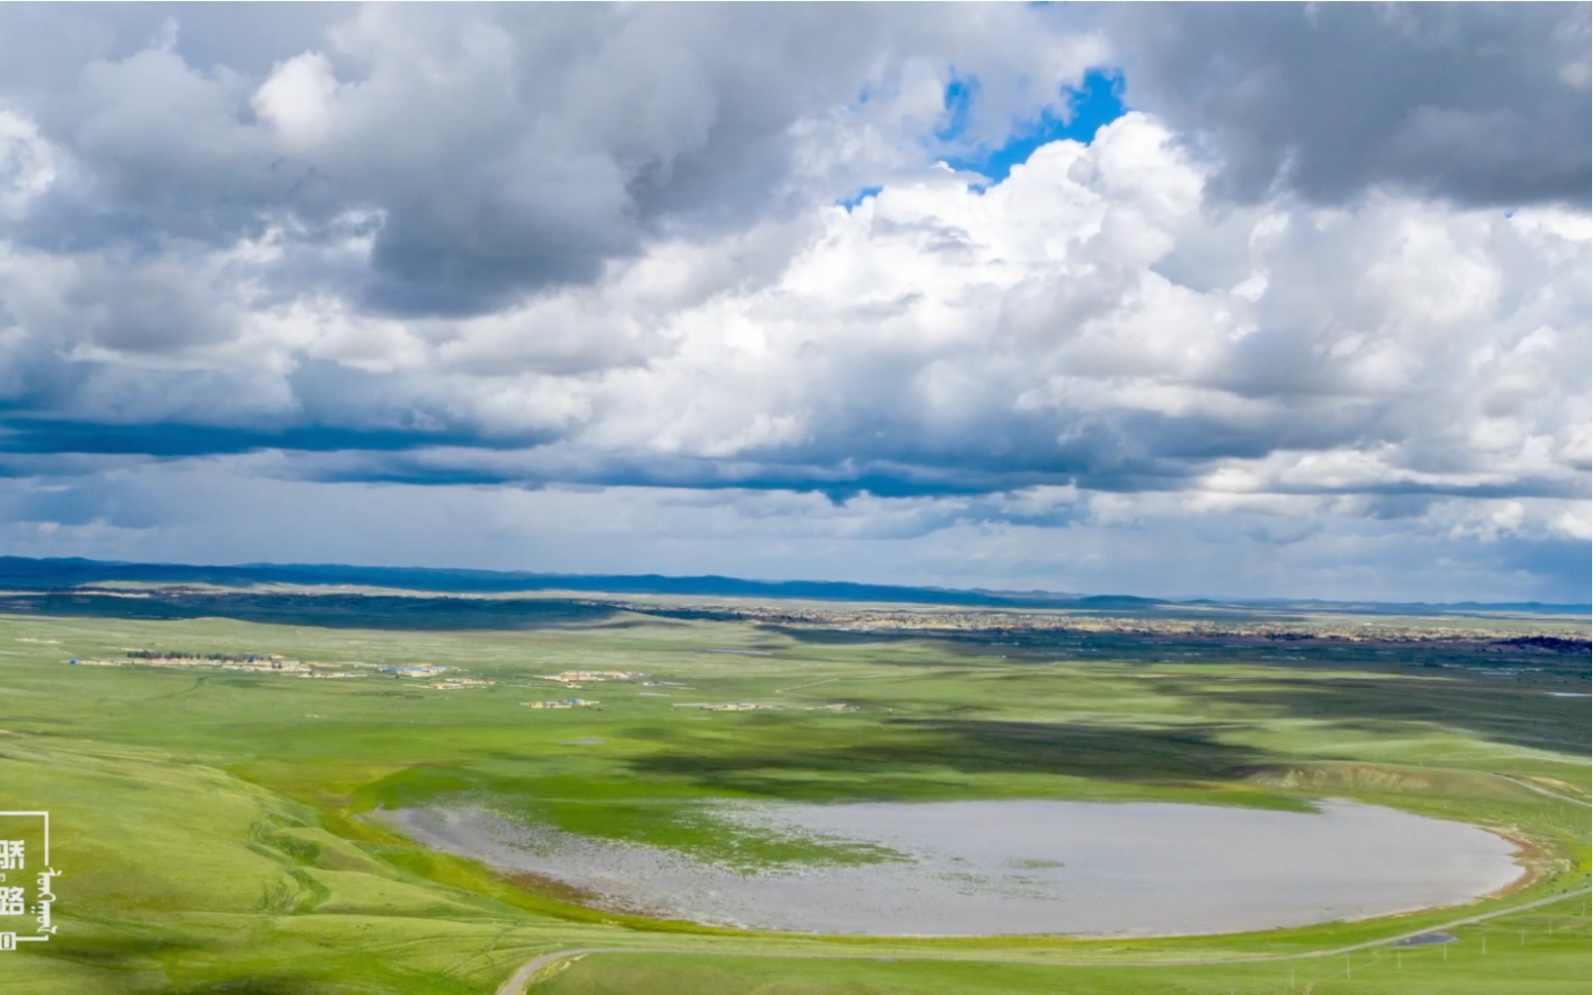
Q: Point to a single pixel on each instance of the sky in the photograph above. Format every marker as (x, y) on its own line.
(1259, 300)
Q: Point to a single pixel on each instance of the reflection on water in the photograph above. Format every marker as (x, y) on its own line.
(1026, 866)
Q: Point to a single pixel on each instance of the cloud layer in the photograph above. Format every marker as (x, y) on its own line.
(1482, 104)
(572, 285)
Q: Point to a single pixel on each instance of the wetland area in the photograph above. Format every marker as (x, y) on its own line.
(1015, 866)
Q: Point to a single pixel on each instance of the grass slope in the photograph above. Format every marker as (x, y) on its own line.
(211, 831)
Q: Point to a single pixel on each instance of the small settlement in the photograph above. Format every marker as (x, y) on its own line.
(264, 663)
(414, 670)
(272, 663)
(577, 678)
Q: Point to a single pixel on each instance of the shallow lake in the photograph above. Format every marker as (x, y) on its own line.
(1025, 866)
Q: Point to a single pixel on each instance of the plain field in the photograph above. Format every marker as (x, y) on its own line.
(209, 825)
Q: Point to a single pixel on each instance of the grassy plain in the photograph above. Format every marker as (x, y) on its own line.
(212, 830)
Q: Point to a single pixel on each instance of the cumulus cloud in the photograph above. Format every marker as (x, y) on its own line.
(502, 150)
(588, 266)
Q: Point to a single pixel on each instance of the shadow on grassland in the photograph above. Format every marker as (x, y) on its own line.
(123, 955)
(1482, 706)
(329, 611)
(971, 746)
(844, 637)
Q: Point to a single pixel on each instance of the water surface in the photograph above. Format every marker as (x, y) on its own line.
(1025, 866)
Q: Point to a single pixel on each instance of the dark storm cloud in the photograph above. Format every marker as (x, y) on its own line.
(1481, 103)
(49, 436)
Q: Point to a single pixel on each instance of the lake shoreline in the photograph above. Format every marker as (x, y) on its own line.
(1009, 897)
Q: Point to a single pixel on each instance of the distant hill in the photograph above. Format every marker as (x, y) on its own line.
(22, 573)
(55, 574)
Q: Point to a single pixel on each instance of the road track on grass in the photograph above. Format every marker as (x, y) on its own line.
(520, 981)
(1522, 782)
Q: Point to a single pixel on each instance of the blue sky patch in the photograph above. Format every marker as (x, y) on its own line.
(1098, 102)
(857, 198)
(957, 102)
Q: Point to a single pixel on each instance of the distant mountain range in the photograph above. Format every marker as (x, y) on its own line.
(58, 574)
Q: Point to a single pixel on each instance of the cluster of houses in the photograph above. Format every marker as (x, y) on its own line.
(566, 703)
(459, 682)
(415, 670)
(576, 678)
(271, 663)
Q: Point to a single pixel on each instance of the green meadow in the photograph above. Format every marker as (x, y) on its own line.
(214, 828)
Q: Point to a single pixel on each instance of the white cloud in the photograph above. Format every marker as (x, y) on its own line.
(27, 163)
(297, 100)
(546, 248)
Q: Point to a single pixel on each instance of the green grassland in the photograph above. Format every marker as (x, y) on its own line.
(213, 827)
